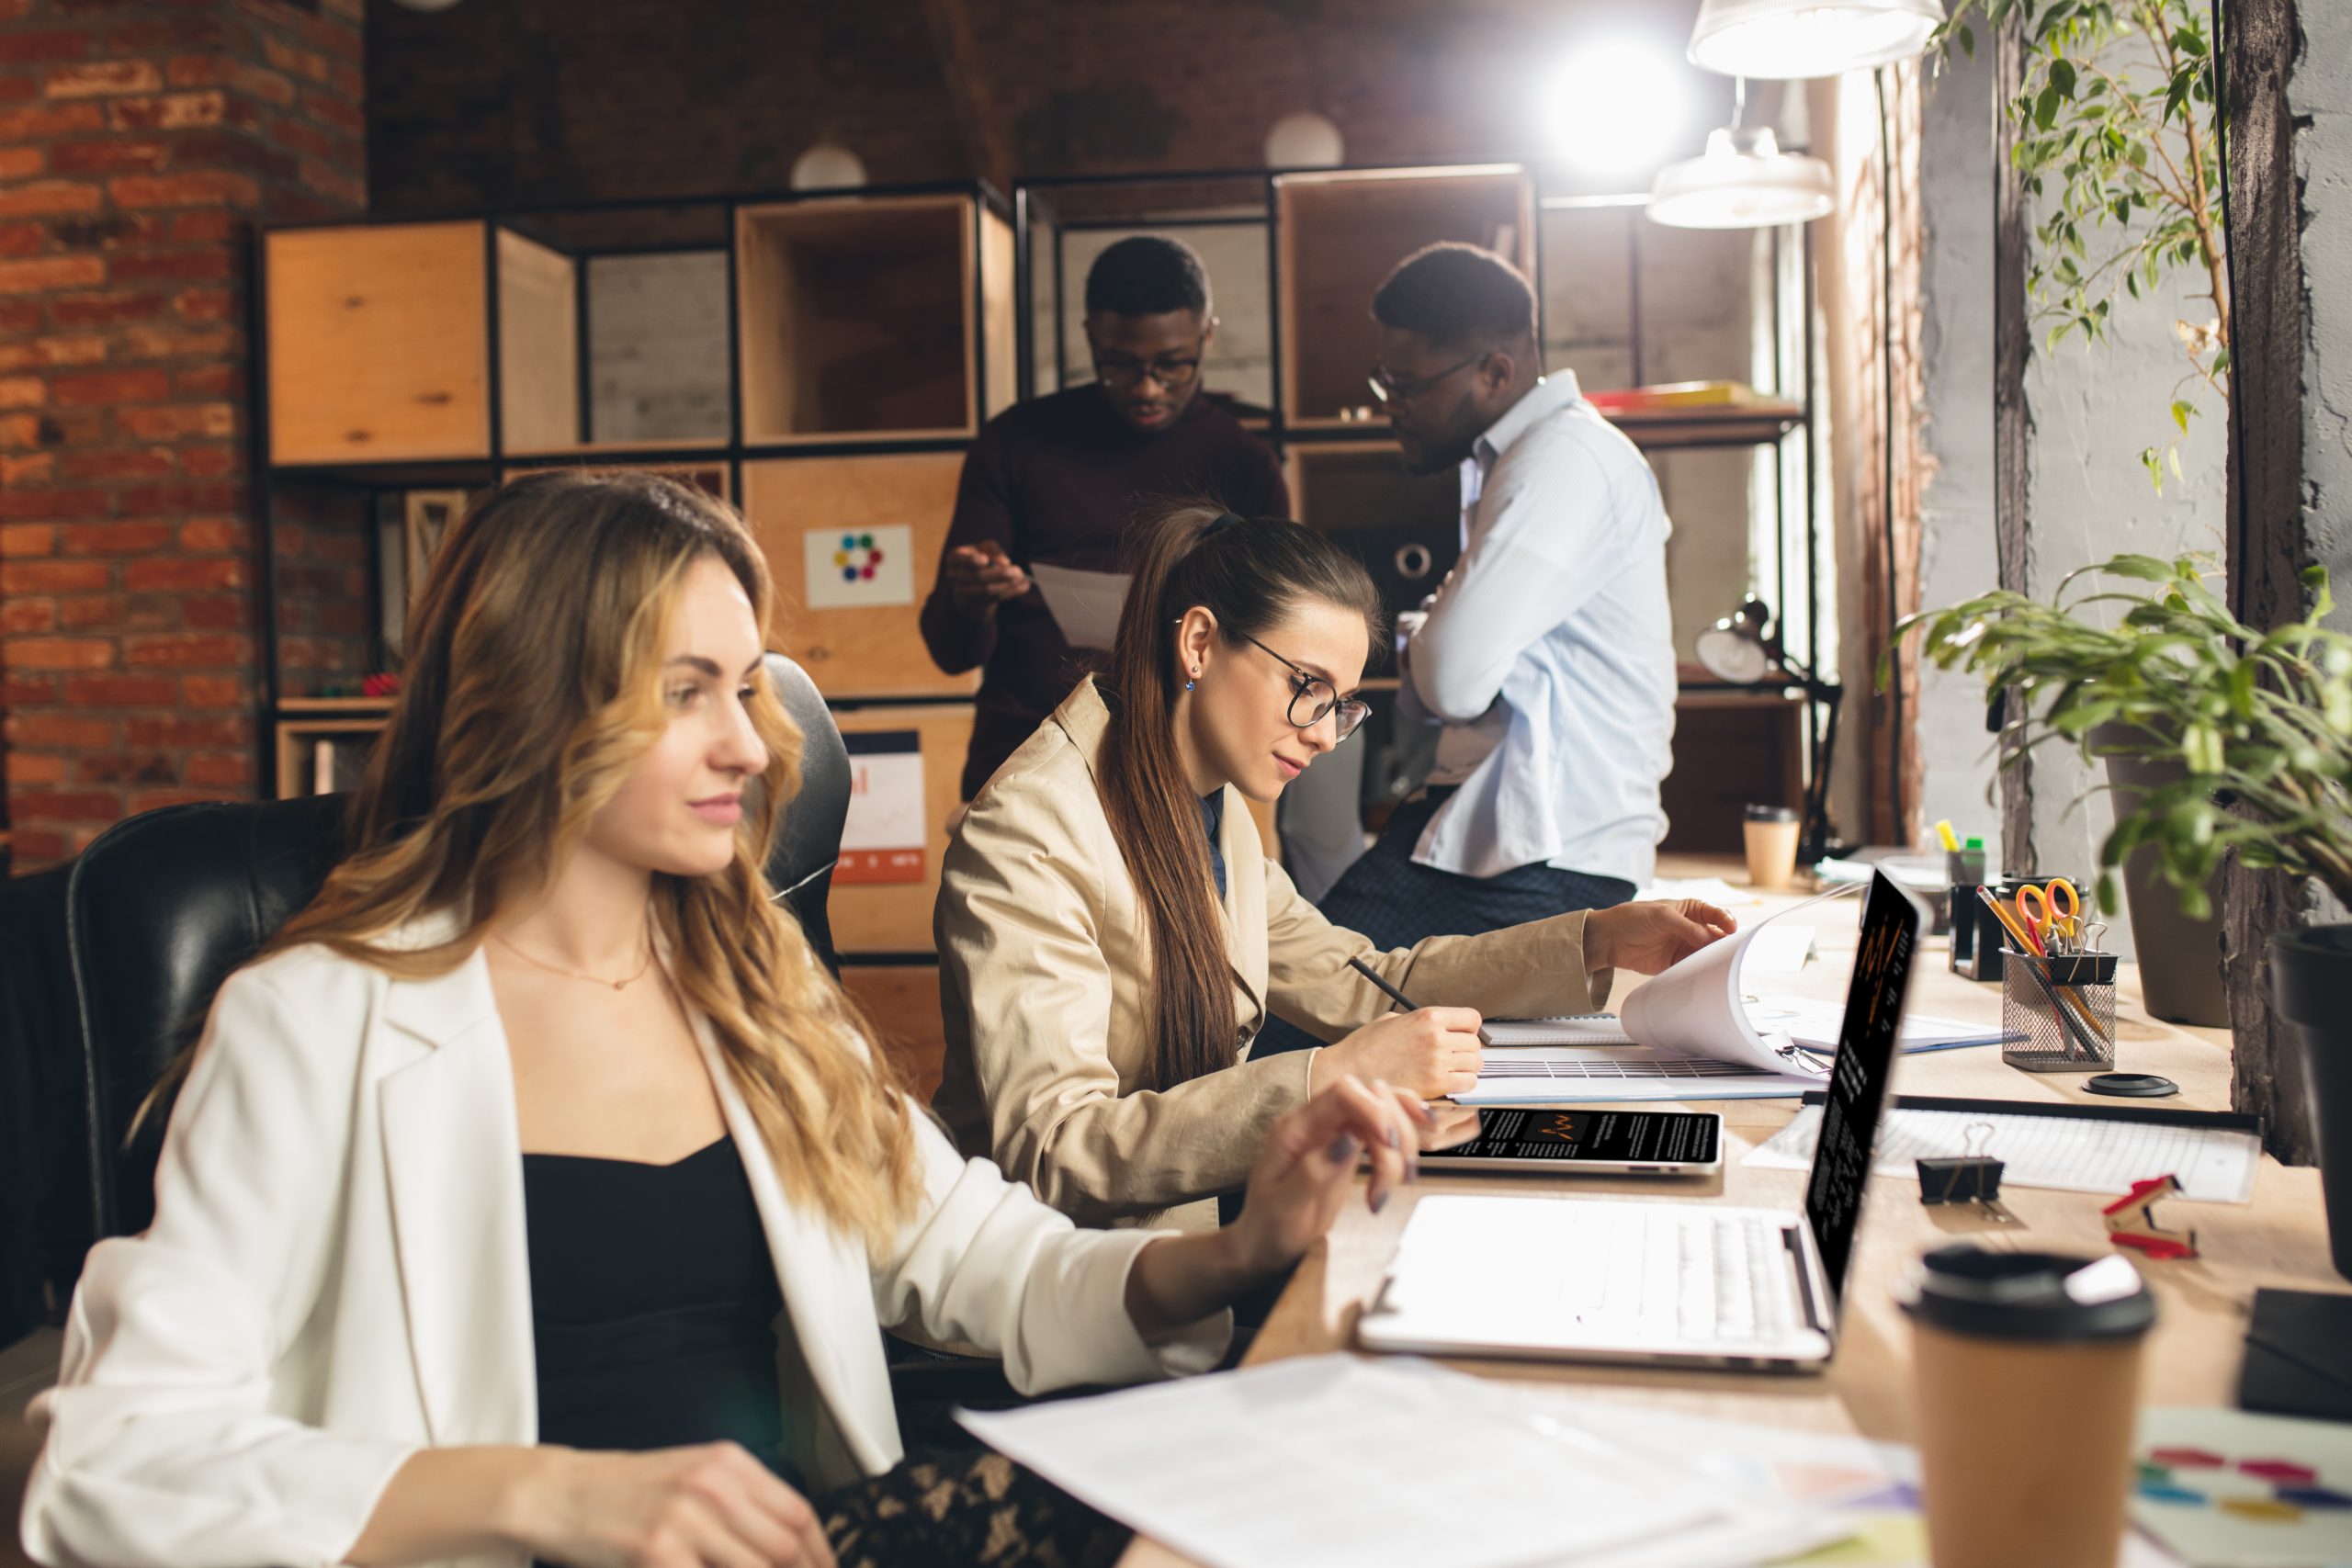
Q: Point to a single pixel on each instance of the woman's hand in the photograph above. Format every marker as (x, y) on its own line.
(1653, 936)
(1304, 1173)
(1308, 1168)
(712, 1506)
(1432, 1052)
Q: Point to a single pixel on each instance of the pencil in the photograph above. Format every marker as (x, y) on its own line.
(2071, 1026)
(1399, 997)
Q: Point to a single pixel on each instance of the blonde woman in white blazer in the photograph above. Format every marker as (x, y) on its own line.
(551, 943)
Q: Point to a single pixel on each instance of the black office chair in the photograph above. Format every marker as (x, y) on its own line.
(44, 1173)
(163, 906)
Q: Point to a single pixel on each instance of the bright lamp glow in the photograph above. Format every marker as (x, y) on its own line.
(1617, 107)
(1744, 182)
(1789, 40)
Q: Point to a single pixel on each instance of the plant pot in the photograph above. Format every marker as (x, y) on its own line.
(2311, 985)
(2180, 957)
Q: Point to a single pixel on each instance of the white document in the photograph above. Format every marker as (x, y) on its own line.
(1340, 1462)
(1816, 1024)
(1085, 605)
(2071, 1153)
(1685, 1036)
(2202, 1526)
(1780, 950)
(1709, 889)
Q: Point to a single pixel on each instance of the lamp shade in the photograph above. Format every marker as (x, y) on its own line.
(1786, 40)
(828, 166)
(1743, 181)
(1735, 649)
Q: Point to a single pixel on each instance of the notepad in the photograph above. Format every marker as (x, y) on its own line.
(2060, 1146)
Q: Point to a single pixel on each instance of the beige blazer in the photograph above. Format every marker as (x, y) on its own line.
(336, 1278)
(1044, 973)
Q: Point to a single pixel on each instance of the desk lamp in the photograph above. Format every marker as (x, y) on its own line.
(1744, 650)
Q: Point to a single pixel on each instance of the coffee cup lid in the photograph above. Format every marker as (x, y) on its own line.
(1772, 814)
(2030, 1295)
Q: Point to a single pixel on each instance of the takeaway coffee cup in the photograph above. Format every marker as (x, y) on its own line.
(1771, 845)
(2026, 1375)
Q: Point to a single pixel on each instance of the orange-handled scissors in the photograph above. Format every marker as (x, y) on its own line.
(2060, 908)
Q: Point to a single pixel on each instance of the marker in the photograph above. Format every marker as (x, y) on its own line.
(1943, 831)
(1399, 997)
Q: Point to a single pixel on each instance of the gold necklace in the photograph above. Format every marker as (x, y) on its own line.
(574, 973)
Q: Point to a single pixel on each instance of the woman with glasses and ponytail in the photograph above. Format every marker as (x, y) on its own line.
(1112, 937)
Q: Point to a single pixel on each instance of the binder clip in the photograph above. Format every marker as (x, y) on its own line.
(2131, 1222)
(1973, 1176)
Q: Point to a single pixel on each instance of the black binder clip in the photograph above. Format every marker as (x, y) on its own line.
(1970, 1177)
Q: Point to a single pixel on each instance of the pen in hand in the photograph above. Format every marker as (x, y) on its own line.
(1399, 997)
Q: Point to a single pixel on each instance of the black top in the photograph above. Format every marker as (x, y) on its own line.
(653, 1302)
(1058, 479)
(1213, 818)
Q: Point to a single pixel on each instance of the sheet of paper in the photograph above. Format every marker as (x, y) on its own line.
(1710, 890)
(1340, 1462)
(2232, 1489)
(1780, 950)
(2071, 1153)
(1815, 1023)
(1573, 1074)
(1085, 605)
(1696, 1007)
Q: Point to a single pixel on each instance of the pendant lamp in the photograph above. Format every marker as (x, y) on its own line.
(1742, 181)
(1788, 39)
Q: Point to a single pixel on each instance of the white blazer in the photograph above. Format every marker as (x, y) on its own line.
(336, 1278)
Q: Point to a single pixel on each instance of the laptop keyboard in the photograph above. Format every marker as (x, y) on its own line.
(1711, 1278)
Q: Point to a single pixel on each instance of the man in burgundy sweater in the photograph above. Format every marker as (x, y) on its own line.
(1056, 479)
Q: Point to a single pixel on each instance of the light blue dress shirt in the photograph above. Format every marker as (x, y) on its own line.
(1548, 652)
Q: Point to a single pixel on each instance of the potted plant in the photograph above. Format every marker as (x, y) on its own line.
(2259, 725)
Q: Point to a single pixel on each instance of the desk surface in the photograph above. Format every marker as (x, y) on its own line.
(2281, 1239)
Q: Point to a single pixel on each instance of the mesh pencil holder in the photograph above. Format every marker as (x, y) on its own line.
(2058, 1013)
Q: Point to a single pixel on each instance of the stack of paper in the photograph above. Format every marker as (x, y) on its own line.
(1337, 1462)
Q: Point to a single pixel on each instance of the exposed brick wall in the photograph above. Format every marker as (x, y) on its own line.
(140, 141)
(325, 624)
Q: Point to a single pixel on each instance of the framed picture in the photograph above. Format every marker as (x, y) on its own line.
(428, 514)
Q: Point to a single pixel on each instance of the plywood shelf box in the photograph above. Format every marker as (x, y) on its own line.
(1405, 529)
(873, 318)
(861, 639)
(1339, 237)
(325, 755)
(379, 348)
(884, 890)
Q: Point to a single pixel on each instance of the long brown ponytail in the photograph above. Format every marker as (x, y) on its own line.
(1248, 573)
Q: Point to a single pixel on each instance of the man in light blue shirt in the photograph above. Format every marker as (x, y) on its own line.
(1547, 654)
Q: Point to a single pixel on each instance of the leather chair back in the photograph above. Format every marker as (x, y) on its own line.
(163, 906)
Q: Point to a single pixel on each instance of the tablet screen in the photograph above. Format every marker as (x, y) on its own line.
(1644, 1137)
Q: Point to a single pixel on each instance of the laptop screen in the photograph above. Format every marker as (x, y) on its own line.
(1856, 1095)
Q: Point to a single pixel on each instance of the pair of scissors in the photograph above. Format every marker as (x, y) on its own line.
(2059, 907)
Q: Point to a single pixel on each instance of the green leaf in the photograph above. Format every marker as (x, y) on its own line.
(2180, 413)
(2061, 77)
(1968, 41)
(2045, 107)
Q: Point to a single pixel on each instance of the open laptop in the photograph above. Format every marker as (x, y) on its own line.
(1683, 1282)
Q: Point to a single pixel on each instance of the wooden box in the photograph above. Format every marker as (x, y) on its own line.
(1405, 529)
(873, 318)
(1731, 750)
(1340, 234)
(858, 638)
(888, 880)
(323, 743)
(379, 345)
(902, 1002)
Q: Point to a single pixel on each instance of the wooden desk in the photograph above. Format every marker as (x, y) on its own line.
(2279, 1239)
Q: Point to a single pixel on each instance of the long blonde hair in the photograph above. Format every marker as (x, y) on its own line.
(531, 690)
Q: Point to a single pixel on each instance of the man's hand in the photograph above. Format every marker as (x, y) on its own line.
(981, 577)
(1652, 936)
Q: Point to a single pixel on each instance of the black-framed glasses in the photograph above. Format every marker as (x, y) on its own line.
(1315, 694)
(1393, 388)
(1173, 371)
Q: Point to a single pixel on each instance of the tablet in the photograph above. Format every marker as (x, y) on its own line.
(1542, 1138)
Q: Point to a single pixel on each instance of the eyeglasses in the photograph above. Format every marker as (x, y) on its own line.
(1174, 372)
(1313, 692)
(1392, 388)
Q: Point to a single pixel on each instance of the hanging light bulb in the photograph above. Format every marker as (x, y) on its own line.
(1305, 141)
(828, 166)
(1742, 181)
(1788, 39)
